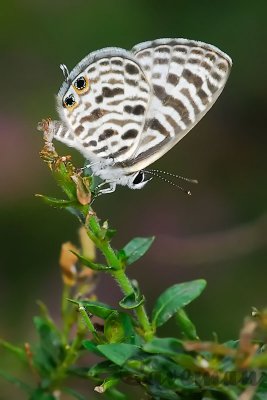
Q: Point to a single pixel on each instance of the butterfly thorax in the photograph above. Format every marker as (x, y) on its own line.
(110, 173)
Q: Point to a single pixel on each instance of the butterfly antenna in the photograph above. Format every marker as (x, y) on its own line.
(65, 71)
(157, 171)
(154, 173)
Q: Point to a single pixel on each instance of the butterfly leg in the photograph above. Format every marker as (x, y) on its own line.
(111, 188)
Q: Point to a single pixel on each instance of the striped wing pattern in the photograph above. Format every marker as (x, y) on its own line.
(137, 105)
(186, 78)
(109, 118)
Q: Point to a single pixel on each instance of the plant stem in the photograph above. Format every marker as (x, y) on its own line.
(94, 232)
(72, 354)
(127, 288)
(64, 309)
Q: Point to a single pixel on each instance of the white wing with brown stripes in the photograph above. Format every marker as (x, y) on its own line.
(124, 109)
(187, 78)
(104, 105)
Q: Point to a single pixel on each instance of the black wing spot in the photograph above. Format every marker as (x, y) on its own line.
(130, 134)
(91, 143)
(107, 92)
(99, 99)
(139, 110)
(107, 134)
(132, 69)
(128, 109)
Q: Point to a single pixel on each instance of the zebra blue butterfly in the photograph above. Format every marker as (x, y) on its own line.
(123, 110)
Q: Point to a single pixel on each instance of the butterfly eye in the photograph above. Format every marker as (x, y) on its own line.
(81, 85)
(139, 178)
(69, 102)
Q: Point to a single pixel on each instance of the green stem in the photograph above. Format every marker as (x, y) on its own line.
(127, 288)
(64, 311)
(73, 352)
(94, 231)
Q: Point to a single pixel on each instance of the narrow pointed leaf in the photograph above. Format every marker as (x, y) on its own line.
(57, 203)
(63, 175)
(115, 394)
(103, 368)
(158, 392)
(91, 346)
(167, 346)
(50, 351)
(15, 381)
(136, 248)
(88, 263)
(174, 298)
(17, 351)
(186, 325)
(119, 353)
(95, 307)
(132, 301)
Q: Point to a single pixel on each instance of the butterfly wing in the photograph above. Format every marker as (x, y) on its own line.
(186, 78)
(103, 105)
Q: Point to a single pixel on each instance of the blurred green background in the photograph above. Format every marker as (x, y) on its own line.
(219, 233)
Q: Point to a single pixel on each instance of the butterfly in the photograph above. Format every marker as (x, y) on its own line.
(123, 110)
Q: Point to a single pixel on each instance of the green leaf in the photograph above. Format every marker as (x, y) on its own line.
(186, 361)
(50, 351)
(95, 307)
(174, 298)
(118, 327)
(40, 394)
(15, 381)
(17, 351)
(88, 263)
(261, 380)
(115, 394)
(132, 301)
(158, 392)
(186, 325)
(63, 178)
(167, 346)
(118, 353)
(135, 249)
(103, 368)
(57, 203)
(91, 346)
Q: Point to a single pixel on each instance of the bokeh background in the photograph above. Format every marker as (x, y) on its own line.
(219, 233)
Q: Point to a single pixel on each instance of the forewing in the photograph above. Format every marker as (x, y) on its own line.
(106, 118)
(186, 78)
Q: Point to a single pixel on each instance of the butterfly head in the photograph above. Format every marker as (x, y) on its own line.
(138, 180)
